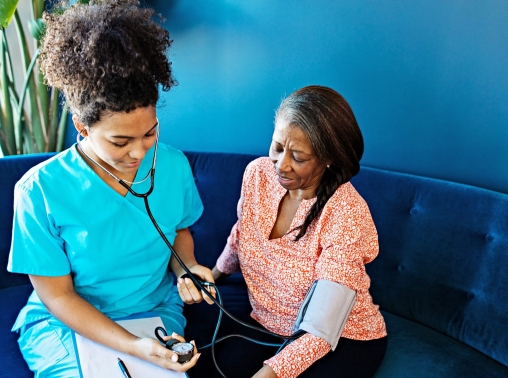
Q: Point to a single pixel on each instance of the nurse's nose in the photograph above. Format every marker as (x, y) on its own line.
(138, 151)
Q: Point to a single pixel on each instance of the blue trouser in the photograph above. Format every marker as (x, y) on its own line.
(48, 349)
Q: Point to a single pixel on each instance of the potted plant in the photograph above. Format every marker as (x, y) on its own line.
(31, 119)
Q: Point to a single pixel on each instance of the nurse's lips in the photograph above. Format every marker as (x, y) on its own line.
(134, 164)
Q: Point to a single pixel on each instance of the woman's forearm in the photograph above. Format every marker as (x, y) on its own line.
(265, 372)
(217, 274)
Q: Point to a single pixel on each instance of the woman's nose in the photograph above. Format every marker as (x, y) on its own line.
(282, 164)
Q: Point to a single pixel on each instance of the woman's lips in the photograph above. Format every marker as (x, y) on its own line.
(284, 181)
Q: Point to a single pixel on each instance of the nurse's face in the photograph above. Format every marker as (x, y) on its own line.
(120, 140)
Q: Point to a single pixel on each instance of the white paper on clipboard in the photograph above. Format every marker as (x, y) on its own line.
(96, 360)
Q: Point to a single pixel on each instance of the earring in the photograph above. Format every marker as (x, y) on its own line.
(328, 166)
(80, 134)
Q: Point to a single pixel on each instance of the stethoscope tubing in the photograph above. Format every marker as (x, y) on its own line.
(201, 286)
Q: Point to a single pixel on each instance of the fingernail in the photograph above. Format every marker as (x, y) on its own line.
(174, 334)
(199, 355)
(180, 280)
(174, 358)
(187, 280)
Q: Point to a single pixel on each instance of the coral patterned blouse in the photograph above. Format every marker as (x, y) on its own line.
(279, 272)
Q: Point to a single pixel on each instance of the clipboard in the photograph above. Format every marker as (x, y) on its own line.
(96, 360)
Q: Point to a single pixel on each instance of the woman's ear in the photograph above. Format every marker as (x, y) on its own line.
(80, 127)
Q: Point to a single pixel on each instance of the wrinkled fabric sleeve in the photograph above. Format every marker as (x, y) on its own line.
(298, 356)
(228, 260)
(349, 241)
(36, 246)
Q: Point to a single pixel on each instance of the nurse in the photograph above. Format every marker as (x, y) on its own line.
(87, 244)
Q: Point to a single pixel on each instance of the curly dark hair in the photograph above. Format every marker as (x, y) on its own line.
(105, 56)
(330, 124)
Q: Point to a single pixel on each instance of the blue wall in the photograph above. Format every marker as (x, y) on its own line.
(428, 80)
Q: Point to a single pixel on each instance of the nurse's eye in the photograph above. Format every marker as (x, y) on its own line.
(119, 145)
(152, 134)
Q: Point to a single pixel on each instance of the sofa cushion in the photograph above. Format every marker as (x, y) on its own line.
(442, 256)
(419, 352)
(12, 300)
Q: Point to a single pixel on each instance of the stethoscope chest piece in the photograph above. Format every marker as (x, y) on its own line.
(183, 350)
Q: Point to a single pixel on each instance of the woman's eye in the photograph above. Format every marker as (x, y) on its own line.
(149, 135)
(119, 145)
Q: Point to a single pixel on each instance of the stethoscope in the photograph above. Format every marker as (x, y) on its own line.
(202, 285)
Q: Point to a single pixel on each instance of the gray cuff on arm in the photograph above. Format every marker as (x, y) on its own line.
(325, 310)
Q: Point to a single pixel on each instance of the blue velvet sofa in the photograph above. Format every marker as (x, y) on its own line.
(441, 277)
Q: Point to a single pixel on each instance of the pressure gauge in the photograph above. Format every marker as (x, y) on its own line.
(184, 350)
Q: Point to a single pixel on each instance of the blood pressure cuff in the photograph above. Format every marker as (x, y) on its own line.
(325, 310)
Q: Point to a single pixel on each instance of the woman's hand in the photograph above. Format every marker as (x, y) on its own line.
(152, 351)
(265, 372)
(188, 292)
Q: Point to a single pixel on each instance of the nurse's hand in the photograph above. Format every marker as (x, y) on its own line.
(190, 293)
(153, 351)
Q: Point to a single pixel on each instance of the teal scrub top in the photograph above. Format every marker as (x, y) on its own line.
(67, 220)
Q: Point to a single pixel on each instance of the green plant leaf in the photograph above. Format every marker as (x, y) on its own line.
(36, 122)
(37, 28)
(7, 112)
(7, 9)
(53, 116)
(37, 8)
(62, 127)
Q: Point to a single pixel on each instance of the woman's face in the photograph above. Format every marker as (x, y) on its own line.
(295, 163)
(120, 140)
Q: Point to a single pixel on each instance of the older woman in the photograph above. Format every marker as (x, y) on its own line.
(301, 220)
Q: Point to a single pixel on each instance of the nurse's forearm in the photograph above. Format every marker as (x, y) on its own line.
(58, 295)
(184, 246)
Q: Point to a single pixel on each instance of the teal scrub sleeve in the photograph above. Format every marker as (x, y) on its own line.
(36, 246)
(193, 207)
